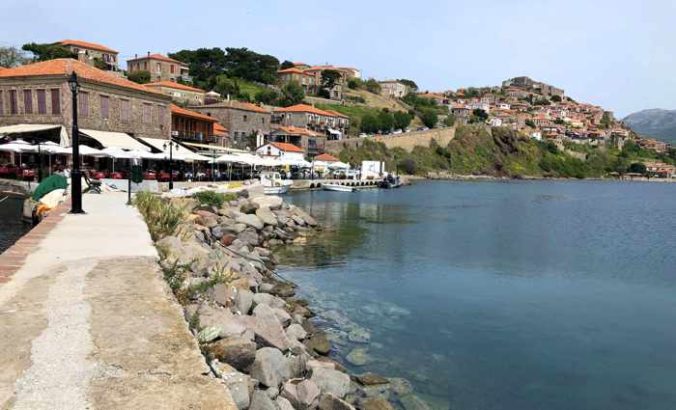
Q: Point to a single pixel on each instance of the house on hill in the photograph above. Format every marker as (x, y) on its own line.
(180, 93)
(247, 123)
(332, 123)
(281, 150)
(93, 54)
(160, 67)
(310, 141)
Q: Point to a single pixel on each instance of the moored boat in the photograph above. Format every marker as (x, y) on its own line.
(338, 188)
(273, 184)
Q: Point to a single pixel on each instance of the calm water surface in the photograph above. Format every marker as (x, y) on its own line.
(11, 227)
(525, 295)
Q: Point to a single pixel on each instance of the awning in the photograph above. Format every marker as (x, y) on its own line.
(334, 132)
(28, 128)
(207, 147)
(115, 139)
(179, 155)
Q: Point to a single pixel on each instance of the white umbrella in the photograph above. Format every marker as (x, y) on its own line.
(339, 165)
(88, 151)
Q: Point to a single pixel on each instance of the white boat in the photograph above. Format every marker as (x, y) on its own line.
(338, 188)
(273, 184)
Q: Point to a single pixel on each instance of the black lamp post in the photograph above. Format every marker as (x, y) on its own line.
(76, 174)
(171, 161)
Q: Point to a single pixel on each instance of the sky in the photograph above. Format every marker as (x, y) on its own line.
(618, 54)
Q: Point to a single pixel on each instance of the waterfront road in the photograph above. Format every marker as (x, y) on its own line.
(86, 320)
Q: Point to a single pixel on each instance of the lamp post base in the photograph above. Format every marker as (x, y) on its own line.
(76, 192)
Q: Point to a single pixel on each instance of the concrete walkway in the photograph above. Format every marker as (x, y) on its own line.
(87, 322)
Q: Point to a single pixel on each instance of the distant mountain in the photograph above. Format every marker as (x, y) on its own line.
(656, 123)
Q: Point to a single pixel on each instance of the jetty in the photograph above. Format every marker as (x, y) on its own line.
(87, 320)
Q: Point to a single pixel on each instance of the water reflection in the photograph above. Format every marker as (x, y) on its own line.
(11, 226)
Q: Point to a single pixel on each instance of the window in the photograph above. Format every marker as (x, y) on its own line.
(263, 120)
(28, 101)
(56, 101)
(105, 107)
(145, 65)
(160, 114)
(125, 110)
(158, 67)
(42, 102)
(147, 113)
(83, 104)
(2, 110)
(172, 68)
(13, 108)
(245, 119)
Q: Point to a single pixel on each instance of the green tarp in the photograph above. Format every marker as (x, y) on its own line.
(49, 184)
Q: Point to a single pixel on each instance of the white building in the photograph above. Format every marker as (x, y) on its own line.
(393, 89)
(281, 150)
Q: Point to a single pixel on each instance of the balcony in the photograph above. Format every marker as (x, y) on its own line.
(191, 136)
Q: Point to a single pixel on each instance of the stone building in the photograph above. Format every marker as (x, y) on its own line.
(311, 78)
(310, 141)
(393, 89)
(306, 80)
(332, 123)
(93, 54)
(39, 93)
(161, 68)
(180, 93)
(246, 123)
(192, 126)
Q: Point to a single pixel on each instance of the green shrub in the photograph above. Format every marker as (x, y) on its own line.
(211, 198)
(161, 217)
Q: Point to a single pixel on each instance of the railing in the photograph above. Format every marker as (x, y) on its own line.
(196, 137)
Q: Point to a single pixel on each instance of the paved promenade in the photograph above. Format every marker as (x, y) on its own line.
(86, 321)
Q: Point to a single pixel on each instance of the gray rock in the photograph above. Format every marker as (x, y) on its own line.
(330, 402)
(376, 403)
(222, 294)
(331, 381)
(298, 364)
(284, 290)
(248, 207)
(238, 384)
(268, 328)
(358, 357)
(413, 402)
(302, 394)
(359, 335)
(266, 216)
(319, 343)
(249, 237)
(400, 386)
(298, 220)
(283, 403)
(296, 332)
(370, 379)
(261, 401)
(283, 316)
(238, 352)
(268, 299)
(218, 231)
(268, 201)
(270, 367)
(221, 318)
(267, 287)
(272, 392)
(250, 220)
(244, 301)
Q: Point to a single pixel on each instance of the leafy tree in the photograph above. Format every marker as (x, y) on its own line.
(479, 116)
(369, 124)
(541, 101)
(385, 121)
(472, 92)
(408, 165)
(226, 86)
(141, 77)
(205, 64)
(372, 86)
(330, 78)
(559, 121)
(530, 123)
(637, 168)
(287, 64)
(249, 65)
(556, 98)
(449, 121)
(355, 83)
(11, 57)
(429, 118)
(100, 64)
(606, 120)
(268, 96)
(292, 94)
(410, 83)
(44, 52)
(324, 93)
(401, 119)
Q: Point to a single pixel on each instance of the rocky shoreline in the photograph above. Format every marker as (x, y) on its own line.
(256, 335)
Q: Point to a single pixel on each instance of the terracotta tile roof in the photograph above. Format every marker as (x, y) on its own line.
(159, 57)
(326, 158)
(336, 113)
(88, 45)
(238, 105)
(291, 130)
(304, 108)
(176, 110)
(65, 66)
(286, 147)
(172, 84)
(220, 130)
(291, 70)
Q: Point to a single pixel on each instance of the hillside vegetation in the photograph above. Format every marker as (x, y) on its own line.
(656, 123)
(479, 150)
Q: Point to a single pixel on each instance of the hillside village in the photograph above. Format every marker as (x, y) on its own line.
(249, 100)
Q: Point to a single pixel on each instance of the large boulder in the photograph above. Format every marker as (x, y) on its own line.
(268, 299)
(330, 402)
(249, 237)
(331, 381)
(376, 403)
(283, 403)
(239, 385)
(413, 402)
(244, 301)
(268, 328)
(238, 352)
(303, 394)
(250, 220)
(248, 207)
(359, 356)
(268, 201)
(261, 401)
(270, 367)
(296, 332)
(266, 216)
(319, 343)
(222, 318)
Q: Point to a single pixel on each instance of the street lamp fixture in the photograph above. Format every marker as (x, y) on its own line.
(171, 145)
(76, 174)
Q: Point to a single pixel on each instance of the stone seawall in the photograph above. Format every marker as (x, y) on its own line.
(405, 141)
(20, 188)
